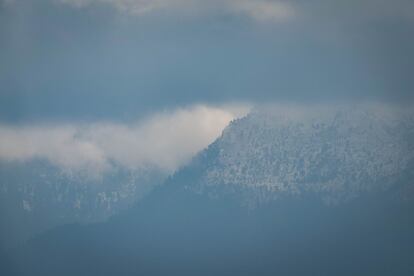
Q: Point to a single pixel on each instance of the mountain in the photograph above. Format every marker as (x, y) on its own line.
(36, 196)
(282, 192)
(336, 154)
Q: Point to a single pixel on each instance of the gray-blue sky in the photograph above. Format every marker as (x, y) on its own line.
(81, 60)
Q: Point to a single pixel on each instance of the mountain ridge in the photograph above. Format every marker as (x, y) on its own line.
(192, 226)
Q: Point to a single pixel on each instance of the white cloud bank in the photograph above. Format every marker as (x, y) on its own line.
(166, 140)
(261, 10)
(265, 11)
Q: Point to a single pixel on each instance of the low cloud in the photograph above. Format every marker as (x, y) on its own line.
(165, 140)
(265, 11)
(261, 10)
(136, 7)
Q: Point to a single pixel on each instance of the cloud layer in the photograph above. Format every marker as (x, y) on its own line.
(262, 10)
(122, 59)
(166, 140)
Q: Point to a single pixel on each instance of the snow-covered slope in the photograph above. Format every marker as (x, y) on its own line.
(36, 196)
(338, 153)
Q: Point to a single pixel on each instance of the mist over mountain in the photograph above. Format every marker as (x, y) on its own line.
(55, 174)
(37, 196)
(283, 191)
(194, 137)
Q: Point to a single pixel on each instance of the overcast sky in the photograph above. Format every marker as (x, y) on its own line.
(119, 59)
(74, 62)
